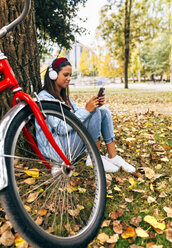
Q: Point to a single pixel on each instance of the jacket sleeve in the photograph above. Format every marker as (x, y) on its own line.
(81, 113)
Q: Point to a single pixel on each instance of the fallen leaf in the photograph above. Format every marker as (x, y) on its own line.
(153, 222)
(165, 159)
(141, 233)
(136, 246)
(117, 227)
(113, 239)
(163, 194)
(129, 233)
(20, 242)
(7, 238)
(32, 197)
(138, 190)
(71, 189)
(6, 226)
(75, 212)
(42, 212)
(157, 246)
(135, 221)
(168, 211)
(102, 237)
(129, 199)
(30, 181)
(34, 172)
(39, 220)
(105, 223)
(119, 180)
(149, 173)
(150, 244)
(27, 208)
(150, 199)
(169, 234)
(158, 167)
(116, 214)
(116, 188)
(166, 147)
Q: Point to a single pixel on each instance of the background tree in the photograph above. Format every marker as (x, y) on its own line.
(128, 26)
(84, 63)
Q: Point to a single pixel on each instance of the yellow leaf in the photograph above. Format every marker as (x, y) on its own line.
(132, 182)
(141, 233)
(75, 174)
(116, 188)
(27, 208)
(153, 222)
(151, 187)
(71, 189)
(81, 190)
(109, 196)
(32, 172)
(18, 240)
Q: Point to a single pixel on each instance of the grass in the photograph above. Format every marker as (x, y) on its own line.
(143, 138)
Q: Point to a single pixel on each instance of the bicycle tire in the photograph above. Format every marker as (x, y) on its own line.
(80, 198)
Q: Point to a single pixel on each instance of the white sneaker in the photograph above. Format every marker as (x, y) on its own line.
(108, 167)
(120, 162)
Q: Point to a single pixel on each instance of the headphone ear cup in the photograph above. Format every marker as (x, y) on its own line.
(53, 74)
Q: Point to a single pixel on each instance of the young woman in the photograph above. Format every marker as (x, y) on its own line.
(96, 118)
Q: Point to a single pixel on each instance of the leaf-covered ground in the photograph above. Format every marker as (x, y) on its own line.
(139, 206)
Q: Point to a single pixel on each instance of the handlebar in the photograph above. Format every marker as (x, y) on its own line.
(9, 27)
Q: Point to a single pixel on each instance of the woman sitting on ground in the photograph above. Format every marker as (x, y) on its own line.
(96, 118)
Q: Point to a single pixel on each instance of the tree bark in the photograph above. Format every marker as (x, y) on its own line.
(128, 6)
(20, 45)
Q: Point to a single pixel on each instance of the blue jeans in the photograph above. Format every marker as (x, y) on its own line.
(100, 123)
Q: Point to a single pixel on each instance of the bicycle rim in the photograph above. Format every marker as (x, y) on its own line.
(61, 208)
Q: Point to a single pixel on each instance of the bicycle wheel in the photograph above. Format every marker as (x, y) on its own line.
(57, 207)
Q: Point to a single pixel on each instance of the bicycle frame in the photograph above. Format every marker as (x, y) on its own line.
(10, 82)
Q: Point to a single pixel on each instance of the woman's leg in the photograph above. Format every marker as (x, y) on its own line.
(93, 125)
(108, 136)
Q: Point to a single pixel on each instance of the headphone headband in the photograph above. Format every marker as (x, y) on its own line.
(58, 62)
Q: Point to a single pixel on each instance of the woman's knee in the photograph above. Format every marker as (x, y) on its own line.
(105, 112)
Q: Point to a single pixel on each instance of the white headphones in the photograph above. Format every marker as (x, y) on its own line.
(52, 73)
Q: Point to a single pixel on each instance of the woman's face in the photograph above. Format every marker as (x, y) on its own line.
(63, 78)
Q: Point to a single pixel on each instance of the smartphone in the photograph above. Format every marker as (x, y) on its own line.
(101, 90)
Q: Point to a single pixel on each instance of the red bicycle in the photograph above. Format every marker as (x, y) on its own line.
(54, 201)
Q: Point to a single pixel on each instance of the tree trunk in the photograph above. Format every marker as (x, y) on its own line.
(128, 5)
(20, 45)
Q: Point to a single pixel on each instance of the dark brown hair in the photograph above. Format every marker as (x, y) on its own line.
(49, 85)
